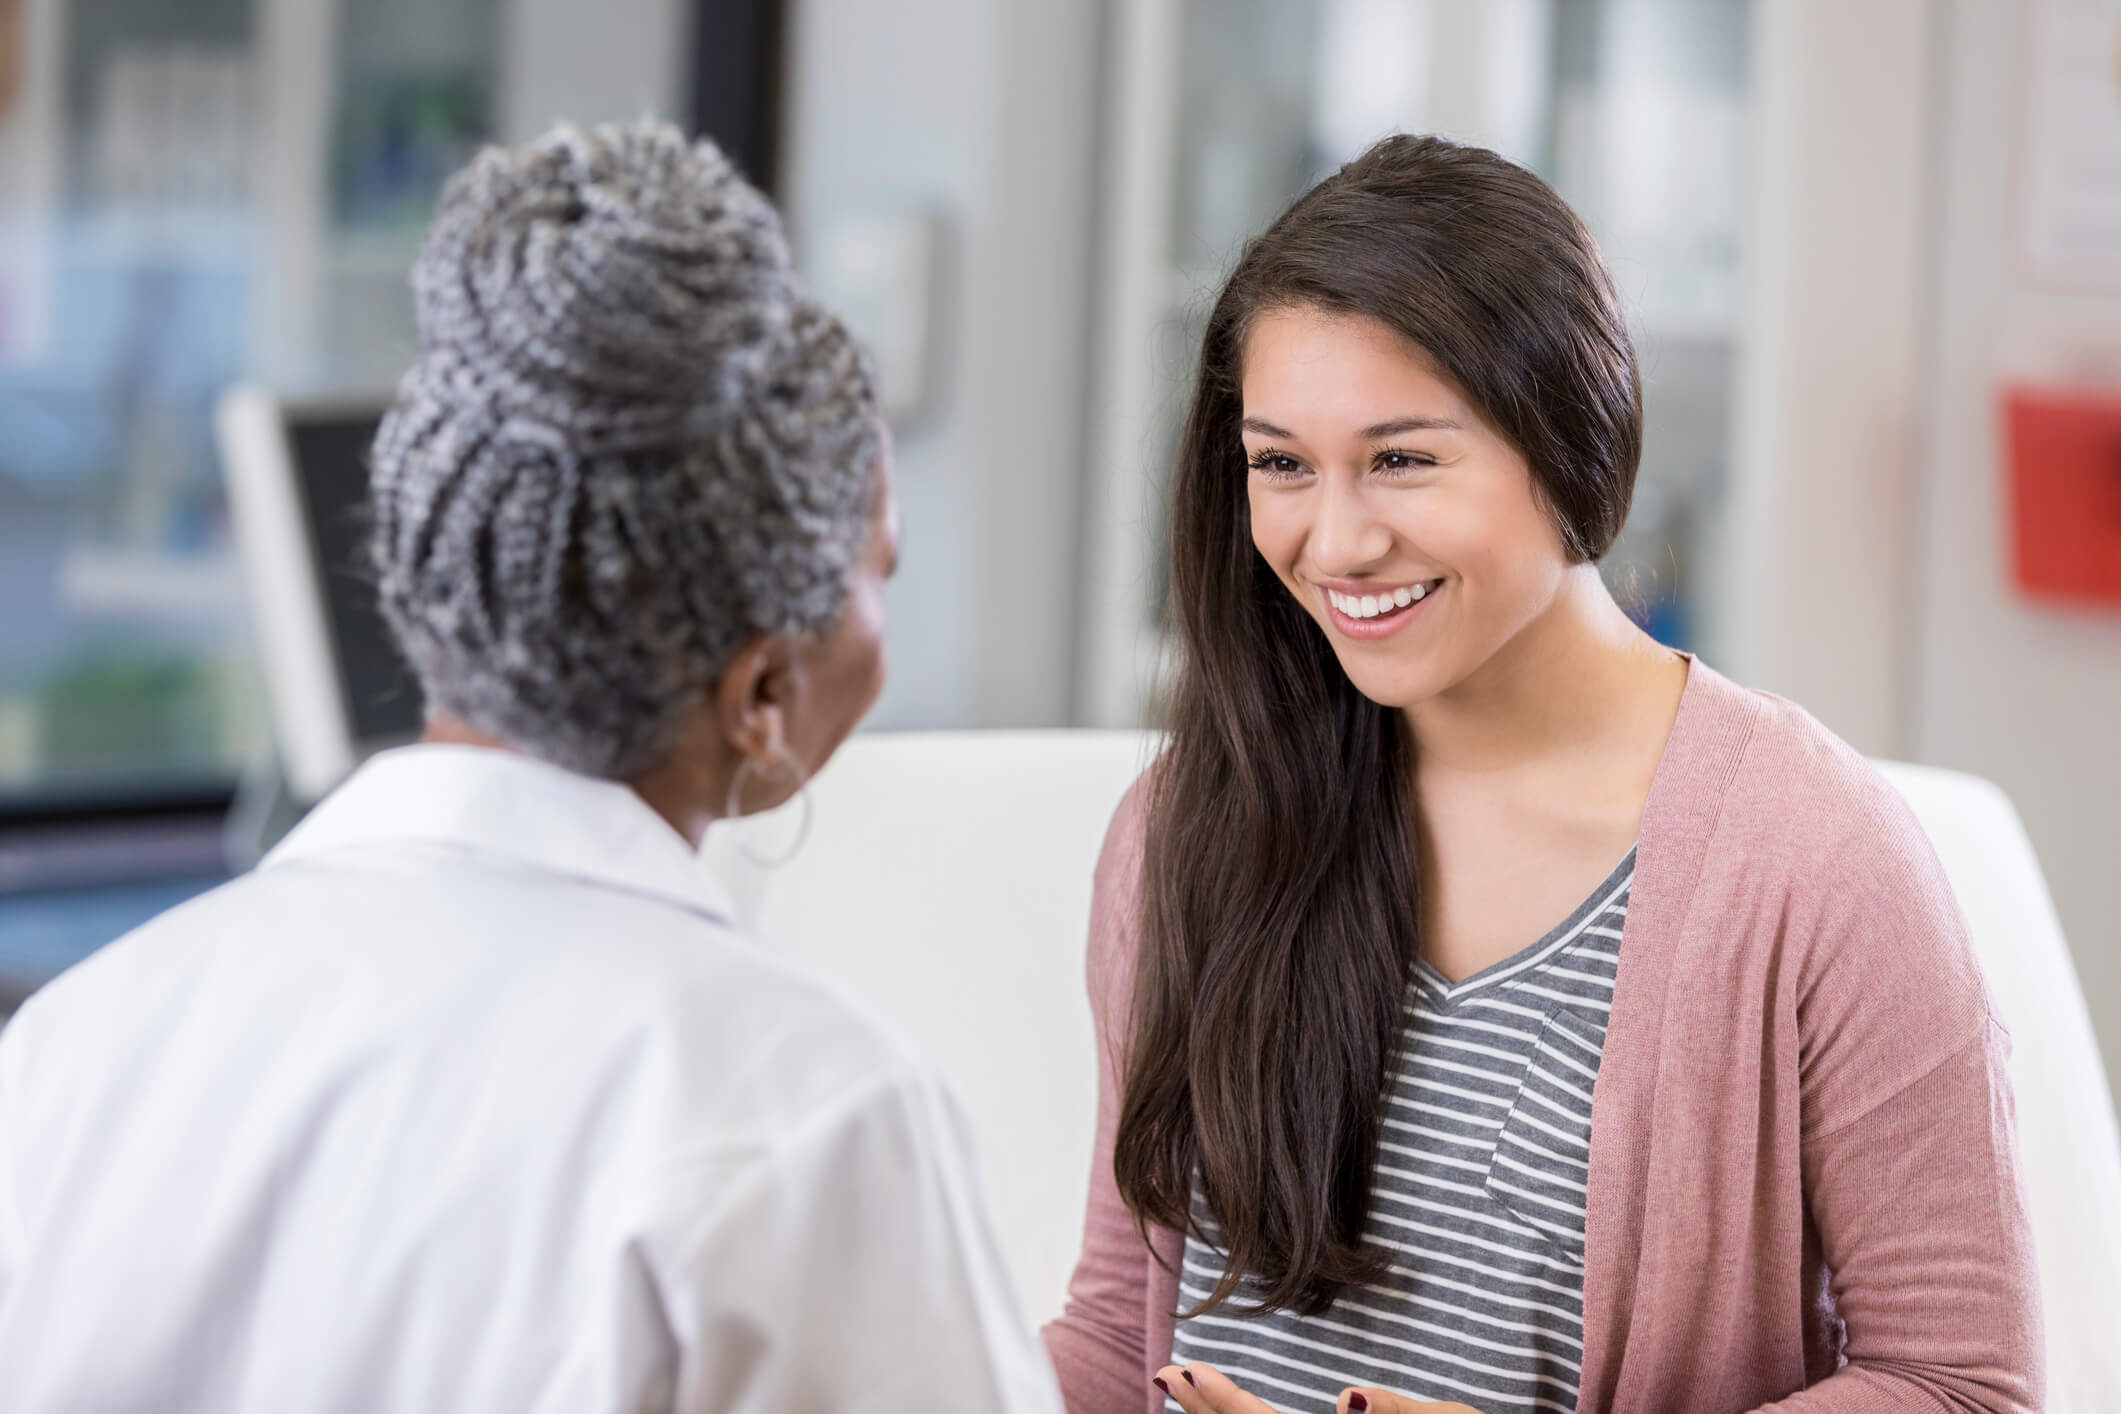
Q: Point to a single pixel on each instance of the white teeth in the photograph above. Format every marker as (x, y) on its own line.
(1369, 606)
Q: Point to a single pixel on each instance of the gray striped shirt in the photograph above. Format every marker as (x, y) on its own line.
(1478, 1199)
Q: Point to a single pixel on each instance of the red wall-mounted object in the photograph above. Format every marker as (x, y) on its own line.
(2063, 447)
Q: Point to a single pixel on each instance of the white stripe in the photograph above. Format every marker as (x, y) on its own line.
(1491, 1214)
(1499, 1077)
(1447, 1186)
(1526, 1013)
(1580, 1118)
(1462, 1313)
(1459, 1337)
(1519, 1141)
(1483, 1147)
(1573, 1210)
(1512, 1059)
(1587, 1072)
(1538, 1254)
(1290, 1328)
(1244, 1375)
(1558, 1082)
(1565, 998)
(1522, 1284)
(1515, 1033)
(1425, 1107)
(1572, 1141)
(1338, 1383)
(1196, 1292)
(1415, 1348)
(1603, 984)
(1473, 1095)
(1543, 1176)
(1563, 1319)
(1564, 1027)
(1437, 1252)
(1480, 1167)
(1430, 1107)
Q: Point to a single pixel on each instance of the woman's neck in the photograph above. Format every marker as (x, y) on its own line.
(1577, 677)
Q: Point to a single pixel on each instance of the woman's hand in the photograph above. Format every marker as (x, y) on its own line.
(1203, 1389)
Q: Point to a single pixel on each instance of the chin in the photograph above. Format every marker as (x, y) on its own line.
(1396, 688)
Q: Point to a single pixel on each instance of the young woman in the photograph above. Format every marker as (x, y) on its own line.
(1499, 1008)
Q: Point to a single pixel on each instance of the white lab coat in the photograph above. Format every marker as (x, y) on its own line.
(470, 1099)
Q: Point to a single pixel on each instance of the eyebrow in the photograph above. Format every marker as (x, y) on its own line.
(1374, 433)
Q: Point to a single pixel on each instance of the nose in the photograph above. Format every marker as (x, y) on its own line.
(1348, 537)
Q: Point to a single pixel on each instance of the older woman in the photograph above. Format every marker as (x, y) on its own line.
(472, 1098)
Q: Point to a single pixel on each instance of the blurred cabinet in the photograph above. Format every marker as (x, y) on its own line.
(1224, 110)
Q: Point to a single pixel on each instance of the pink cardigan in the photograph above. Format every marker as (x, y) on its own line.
(1804, 1179)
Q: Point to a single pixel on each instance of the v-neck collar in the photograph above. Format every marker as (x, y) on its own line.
(1447, 994)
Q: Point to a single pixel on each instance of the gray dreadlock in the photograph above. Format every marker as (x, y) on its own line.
(630, 443)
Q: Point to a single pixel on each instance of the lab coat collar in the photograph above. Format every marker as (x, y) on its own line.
(502, 803)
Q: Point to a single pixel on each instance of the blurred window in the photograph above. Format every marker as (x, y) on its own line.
(155, 244)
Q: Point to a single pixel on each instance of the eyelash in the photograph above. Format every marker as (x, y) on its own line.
(1263, 461)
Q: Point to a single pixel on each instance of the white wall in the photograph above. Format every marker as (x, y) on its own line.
(1865, 574)
(1811, 603)
(2026, 695)
(613, 60)
(984, 114)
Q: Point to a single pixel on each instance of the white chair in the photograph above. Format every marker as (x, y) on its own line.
(947, 878)
(2066, 1130)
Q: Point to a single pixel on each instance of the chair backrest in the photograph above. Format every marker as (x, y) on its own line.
(946, 877)
(2069, 1146)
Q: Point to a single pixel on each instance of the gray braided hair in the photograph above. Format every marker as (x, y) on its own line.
(630, 443)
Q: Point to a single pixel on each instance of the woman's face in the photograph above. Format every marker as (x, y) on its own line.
(1405, 525)
(785, 697)
(842, 670)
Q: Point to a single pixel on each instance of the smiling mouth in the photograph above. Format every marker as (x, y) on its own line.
(1386, 604)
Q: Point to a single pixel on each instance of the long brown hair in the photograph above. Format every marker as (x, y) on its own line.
(1280, 903)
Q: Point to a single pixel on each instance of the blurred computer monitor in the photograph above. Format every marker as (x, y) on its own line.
(298, 494)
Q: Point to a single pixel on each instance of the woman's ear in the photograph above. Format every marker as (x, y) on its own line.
(752, 698)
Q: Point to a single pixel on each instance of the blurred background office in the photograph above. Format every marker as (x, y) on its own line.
(1872, 256)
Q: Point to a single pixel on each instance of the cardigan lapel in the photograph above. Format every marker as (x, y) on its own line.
(1716, 718)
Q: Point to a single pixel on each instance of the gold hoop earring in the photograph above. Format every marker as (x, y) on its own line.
(733, 807)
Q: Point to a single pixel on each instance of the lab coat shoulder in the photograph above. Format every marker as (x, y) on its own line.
(835, 1202)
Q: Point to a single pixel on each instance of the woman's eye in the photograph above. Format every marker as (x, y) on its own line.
(1276, 466)
(1404, 461)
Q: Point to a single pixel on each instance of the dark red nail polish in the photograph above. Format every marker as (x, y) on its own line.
(1189, 1378)
(1158, 1381)
(1358, 1401)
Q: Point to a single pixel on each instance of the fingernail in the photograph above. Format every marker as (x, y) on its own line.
(1358, 1401)
(1158, 1381)
(1189, 1378)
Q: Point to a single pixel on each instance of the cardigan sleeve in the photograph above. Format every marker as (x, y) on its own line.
(1909, 1141)
(1923, 1228)
(1099, 1342)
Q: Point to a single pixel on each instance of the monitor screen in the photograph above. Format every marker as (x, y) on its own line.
(330, 454)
